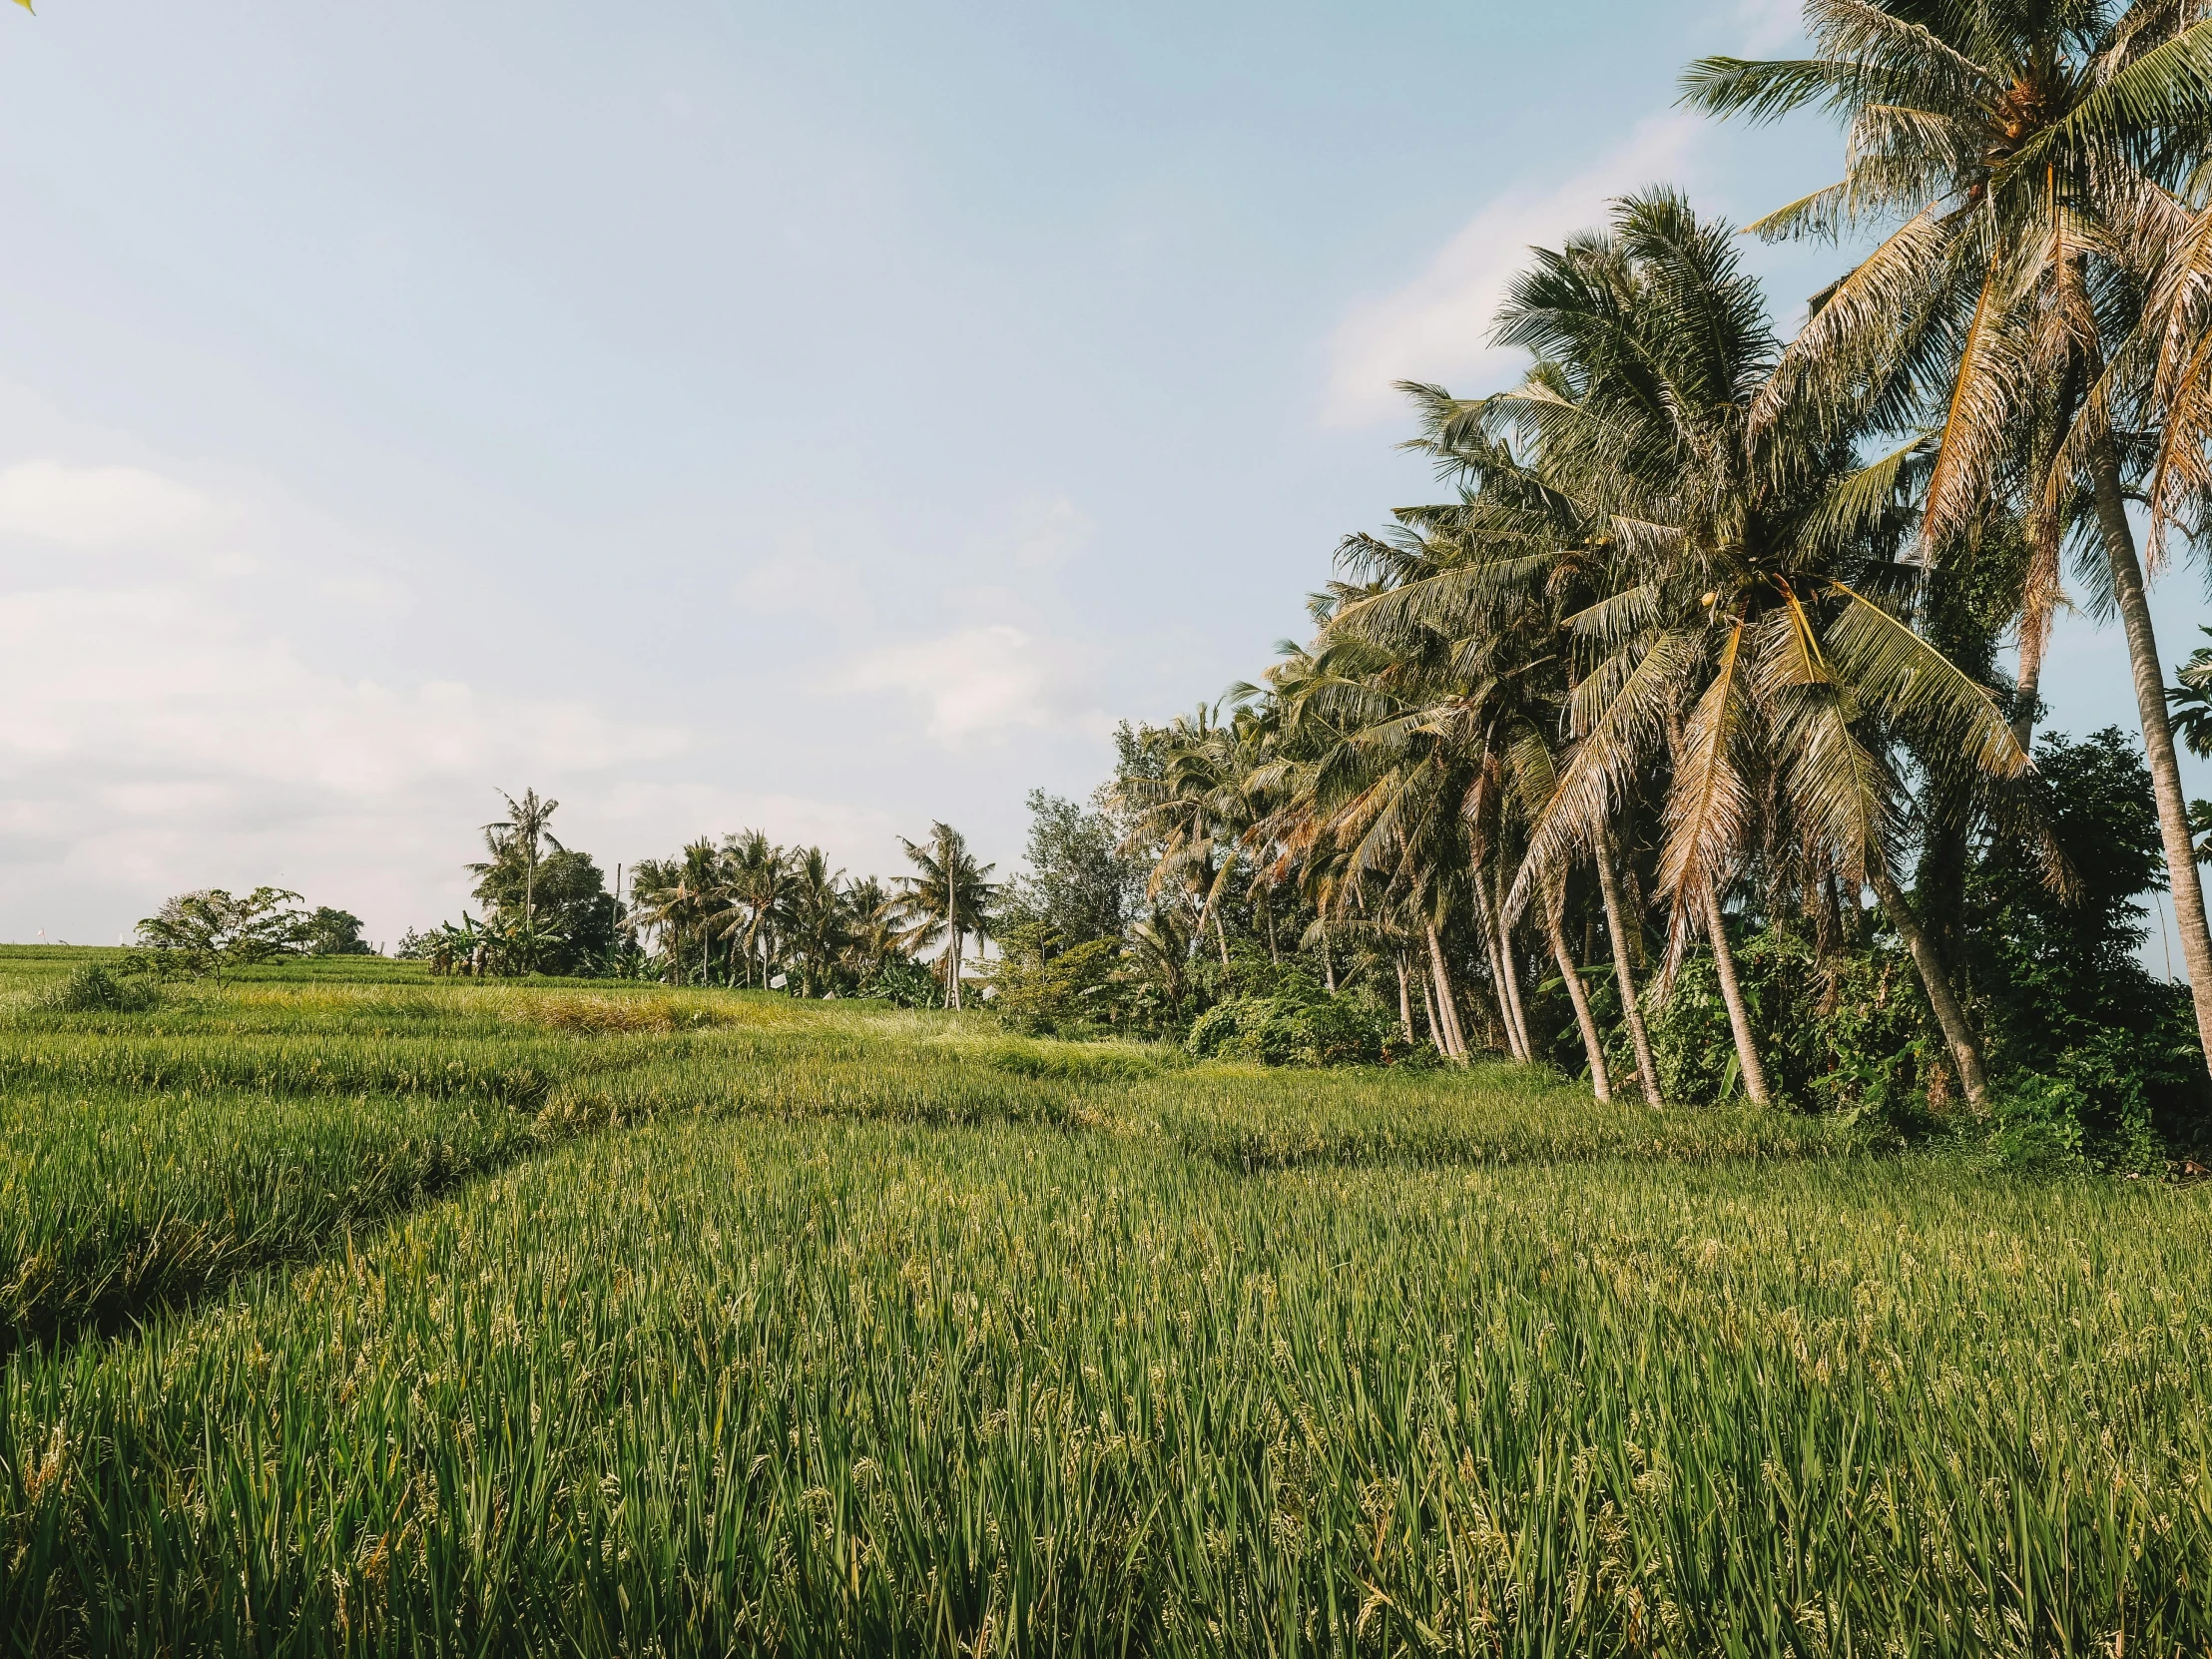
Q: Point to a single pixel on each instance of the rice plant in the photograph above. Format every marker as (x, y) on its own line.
(371, 1315)
(826, 1387)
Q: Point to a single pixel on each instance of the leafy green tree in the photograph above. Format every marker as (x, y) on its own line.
(1078, 887)
(1045, 983)
(2061, 969)
(209, 932)
(331, 933)
(562, 906)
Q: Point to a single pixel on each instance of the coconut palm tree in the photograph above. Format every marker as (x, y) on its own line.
(524, 828)
(1747, 637)
(682, 898)
(949, 899)
(870, 929)
(816, 906)
(757, 881)
(1195, 812)
(2035, 159)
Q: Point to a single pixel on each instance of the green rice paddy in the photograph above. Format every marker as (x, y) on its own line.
(352, 1312)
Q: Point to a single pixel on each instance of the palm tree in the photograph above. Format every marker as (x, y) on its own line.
(1196, 810)
(816, 910)
(524, 828)
(948, 899)
(758, 880)
(870, 928)
(2035, 159)
(1746, 639)
(679, 896)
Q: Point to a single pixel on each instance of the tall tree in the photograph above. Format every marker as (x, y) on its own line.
(525, 825)
(949, 897)
(2035, 157)
(1747, 634)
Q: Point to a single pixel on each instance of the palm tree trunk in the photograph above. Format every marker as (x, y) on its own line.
(1600, 1084)
(1514, 1011)
(1428, 1004)
(1447, 1007)
(1328, 962)
(1739, 1021)
(2158, 736)
(1965, 1052)
(1609, 890)
(1483, 926)
(1221, 938)
(1405, 999)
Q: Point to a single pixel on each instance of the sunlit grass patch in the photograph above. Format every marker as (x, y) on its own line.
(838, 1388)
(113, 1201)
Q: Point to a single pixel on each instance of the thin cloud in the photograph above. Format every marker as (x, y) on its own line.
(163, 743)
(980, 685)
(1437, 327)
(98, 509)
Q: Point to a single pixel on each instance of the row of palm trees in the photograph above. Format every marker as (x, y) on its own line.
(745, 911)
(1708, 622)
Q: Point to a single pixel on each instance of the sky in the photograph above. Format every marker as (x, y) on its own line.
(821, 418)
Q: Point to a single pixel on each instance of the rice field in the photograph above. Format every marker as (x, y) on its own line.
(354, 1313)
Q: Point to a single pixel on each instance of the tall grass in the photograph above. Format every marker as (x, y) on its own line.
(113, 1202)
(883, 1331)
(823, 1387)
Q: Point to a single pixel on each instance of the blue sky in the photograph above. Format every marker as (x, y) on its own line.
(824, 418)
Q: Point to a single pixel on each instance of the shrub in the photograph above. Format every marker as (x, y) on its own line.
(903, 986)
(92, 989)
(1294, 1029)
(1042, 994)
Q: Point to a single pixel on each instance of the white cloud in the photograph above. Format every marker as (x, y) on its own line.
(161, 675)
(1437, 327)
(161, 742)
(980, 685)
(95, 509)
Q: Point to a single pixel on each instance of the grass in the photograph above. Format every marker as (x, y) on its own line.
(871, 1332)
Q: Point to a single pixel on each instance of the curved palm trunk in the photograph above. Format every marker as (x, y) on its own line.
(1600, 1084)
(1446, 1006)
(1405, 999)
(1965, 1052)
(1428, 1007)
(1608, 887)
(2158, 738)
(1512, 975)
(1221, 938)
(1484, 925)
(1739, 1021)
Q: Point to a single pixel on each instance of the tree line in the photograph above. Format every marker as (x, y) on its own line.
(1703, 652)
(1688, 742)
